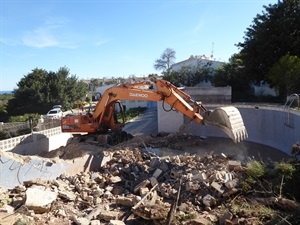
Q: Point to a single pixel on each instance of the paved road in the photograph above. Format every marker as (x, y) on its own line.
(145, 124)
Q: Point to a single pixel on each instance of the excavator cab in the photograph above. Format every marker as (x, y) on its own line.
(114, 116)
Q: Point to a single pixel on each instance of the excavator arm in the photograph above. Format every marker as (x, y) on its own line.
(103, 119)
(228, 119)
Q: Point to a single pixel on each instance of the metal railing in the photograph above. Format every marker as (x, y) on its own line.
(292, 102)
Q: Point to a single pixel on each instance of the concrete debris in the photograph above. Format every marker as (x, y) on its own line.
(40, 198)
(116, 222)
(131, 184)
(234, 165)
(209, 201)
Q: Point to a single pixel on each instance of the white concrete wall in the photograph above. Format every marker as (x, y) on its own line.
(168, 121)
(37, 142)
(210, 94)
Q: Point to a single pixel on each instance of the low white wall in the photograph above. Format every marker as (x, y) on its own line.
(266, 125)
(168, 121)
(37, 142)
(209, 94)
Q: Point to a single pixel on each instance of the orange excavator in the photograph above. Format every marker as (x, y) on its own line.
(102, 126)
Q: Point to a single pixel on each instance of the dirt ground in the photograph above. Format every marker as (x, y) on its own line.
(163, 179)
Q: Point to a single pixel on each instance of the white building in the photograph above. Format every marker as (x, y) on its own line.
(197, 61)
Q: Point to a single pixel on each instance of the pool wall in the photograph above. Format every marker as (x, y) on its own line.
(266, 124)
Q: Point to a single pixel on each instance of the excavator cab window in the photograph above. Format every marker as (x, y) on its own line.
(119, 110)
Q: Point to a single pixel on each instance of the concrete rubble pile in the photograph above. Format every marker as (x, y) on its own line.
(135, 187)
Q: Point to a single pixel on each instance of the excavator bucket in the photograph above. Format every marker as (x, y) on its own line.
(229, 120)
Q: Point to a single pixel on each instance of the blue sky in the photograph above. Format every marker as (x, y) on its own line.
(116, 38)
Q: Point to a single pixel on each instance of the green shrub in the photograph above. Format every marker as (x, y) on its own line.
(285, 169)
(255, 169)
(24, 118)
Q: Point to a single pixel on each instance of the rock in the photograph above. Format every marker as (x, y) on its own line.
(80, 220)
(144, 191)
(7, 209)
(192, 186)
(107, 156)
(157, 211)
(200, 221)
(95, 222)
(217, 187)
(115, 179)
(154, 162)
(231, 183)
(94, 213)
(225, 218)
(234, 165)
(68, 195)
(164, 166)
(108, 215)
(116, 222)
(157, 173)
(117, 190)
(209, 200)
(61, 213)
(175, 174)
(39, 198)
(107, 194)
(200, 176)
(141, 185)
(153, 181)
(125, 201)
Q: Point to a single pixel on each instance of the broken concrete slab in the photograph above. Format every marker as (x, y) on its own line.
(40, 198)
(15, 169)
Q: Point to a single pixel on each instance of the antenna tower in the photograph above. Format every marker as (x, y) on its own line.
(212, 51)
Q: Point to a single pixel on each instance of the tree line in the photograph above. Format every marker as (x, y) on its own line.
(270, 53)
(40, 90)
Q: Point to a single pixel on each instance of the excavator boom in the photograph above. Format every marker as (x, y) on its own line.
(228, 119)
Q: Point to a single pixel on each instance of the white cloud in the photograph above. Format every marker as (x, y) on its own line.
(48, 35)
(39, 38)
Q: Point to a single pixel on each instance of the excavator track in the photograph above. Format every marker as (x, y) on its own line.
(229, 120)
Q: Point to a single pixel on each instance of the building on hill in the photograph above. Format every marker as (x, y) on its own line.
(197, 61)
